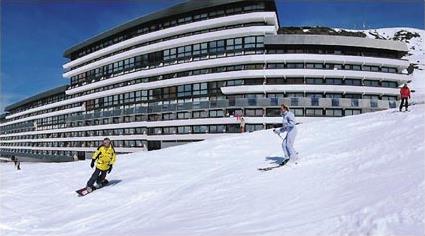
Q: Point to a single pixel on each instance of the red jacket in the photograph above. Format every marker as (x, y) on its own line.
(405, 92)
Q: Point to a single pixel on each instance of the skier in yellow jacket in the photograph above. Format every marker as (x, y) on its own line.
(104, 157)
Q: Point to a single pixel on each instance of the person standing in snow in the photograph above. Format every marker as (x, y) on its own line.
(104, 157)
(404, 95)
(288, 126)
(242, 125)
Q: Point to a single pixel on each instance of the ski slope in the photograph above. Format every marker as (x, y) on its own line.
(361, 175)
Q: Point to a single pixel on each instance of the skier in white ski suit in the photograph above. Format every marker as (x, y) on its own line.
(288, 125)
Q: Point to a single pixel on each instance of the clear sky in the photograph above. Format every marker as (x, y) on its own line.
(35, 33)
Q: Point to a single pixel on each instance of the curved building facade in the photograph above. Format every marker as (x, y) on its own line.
(189, 72)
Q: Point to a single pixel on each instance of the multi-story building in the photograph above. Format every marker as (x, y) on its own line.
(188, 72)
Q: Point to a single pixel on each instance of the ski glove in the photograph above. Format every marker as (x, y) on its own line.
(110, 169)
(92, 163)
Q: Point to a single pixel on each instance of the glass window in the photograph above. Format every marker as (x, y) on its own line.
(335, 81)
(200, 129)
(333, 112)
(313, 112)
(371, 83)
(183, 130)
(350, 112)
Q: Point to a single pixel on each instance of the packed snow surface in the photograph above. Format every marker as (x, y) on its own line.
(360, 175)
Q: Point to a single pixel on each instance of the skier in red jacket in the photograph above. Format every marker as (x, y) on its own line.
(405, 95)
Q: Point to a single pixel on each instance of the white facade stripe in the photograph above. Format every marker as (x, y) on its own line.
(211, 36)
(244, 89)
(204, 121)
(44, 115)
(267, 17)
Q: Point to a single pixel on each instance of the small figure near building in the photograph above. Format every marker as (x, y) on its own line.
(242, 125)
(405, 96)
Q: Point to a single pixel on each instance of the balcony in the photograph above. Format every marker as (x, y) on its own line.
(293, 102)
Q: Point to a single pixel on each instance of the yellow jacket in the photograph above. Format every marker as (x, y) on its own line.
(104, 157)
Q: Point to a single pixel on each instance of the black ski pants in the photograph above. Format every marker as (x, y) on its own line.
(98, 176)
(404, 103)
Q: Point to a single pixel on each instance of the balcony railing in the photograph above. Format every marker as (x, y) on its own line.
(45, 157)
(293, 102)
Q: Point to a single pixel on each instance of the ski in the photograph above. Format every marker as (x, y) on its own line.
(274, 167)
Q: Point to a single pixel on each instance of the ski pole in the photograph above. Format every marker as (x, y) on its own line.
(278, 134)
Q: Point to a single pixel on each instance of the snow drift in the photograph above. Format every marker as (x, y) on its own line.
(361, 175)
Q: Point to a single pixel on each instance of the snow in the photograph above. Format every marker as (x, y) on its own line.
(360, 175)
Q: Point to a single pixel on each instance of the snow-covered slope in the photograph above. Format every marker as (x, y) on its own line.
(361, 175)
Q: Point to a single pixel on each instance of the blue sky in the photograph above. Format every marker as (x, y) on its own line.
(34, 33)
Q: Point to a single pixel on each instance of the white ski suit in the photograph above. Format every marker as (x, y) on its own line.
(288, 125)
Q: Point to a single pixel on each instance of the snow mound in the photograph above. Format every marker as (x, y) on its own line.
(360, 175)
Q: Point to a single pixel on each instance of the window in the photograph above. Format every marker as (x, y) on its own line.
(169, 93)
(184, 90)
(294, 65)
(350, 112)
(350, 95)
(366, 68)
(313, 81)
(357, 67)
(183, 115)
(216, 48)
(354, 102)
(314, 66)
(254, 112)
(234, 46)
(371, 83)
(169, 130)
(254, 127)
(389, 84)
(372, 97)
(294, 80)
(313, 112)
(333, 112)
(374, 68)
(298, 111)
(200, 129)
(352, 82)
(249, 42)
(216, 113)
(333, 66)
(294, 101)
(272, 112)
(168, 116)
(200, 89)
(389, 98)
(170, 54)
(235, 82)
(129, 97)
(334, 81)
(183, 130)
(392, 70)
(275, 81)
(217, 129)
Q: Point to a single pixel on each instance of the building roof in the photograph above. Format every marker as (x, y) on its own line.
(180, 8)
(48, 93)
(308, 39)
(3, 116)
